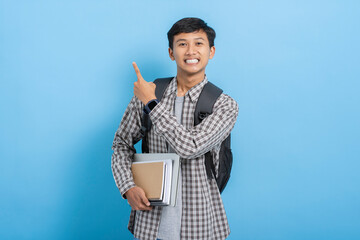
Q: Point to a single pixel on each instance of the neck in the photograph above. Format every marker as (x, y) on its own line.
(185, 83)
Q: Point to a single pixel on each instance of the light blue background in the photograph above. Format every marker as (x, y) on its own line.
(66, 78)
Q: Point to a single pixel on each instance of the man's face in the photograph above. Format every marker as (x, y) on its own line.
(191, 51)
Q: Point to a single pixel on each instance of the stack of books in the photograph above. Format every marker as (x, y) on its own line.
(157, 175)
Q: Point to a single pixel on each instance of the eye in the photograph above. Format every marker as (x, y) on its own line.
(199, 43)
(182, 44)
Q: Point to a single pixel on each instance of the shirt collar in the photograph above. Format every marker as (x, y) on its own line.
(193, 92)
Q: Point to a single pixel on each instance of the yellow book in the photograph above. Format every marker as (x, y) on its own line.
(150, 177)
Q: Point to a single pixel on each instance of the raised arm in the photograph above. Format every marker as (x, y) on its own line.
(194, 142)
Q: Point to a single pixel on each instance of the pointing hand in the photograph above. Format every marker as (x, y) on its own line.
(143, 90)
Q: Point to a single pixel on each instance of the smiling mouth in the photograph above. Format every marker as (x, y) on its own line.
(192, 61)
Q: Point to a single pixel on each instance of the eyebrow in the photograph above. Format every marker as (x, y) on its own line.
(182, 39)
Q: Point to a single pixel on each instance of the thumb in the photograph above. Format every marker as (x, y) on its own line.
(144, 199)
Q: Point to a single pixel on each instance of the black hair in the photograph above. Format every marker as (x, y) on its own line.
(188, 25)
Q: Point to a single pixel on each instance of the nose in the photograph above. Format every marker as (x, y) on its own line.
(191, 50)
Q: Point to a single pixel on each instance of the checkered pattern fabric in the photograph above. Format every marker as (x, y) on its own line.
(203, 215)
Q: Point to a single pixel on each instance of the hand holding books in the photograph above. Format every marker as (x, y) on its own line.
(137, 199)
(156, 177)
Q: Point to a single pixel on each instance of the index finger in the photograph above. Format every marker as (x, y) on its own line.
(137, 71)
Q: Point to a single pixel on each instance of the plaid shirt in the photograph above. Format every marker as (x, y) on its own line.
(203, 215)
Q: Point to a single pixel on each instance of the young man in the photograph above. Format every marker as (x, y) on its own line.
(199, 212)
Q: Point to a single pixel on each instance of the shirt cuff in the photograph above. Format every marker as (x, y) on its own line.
(126, 187)
(157, 112)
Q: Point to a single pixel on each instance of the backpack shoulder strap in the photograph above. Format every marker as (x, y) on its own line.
(204, 107)
(206, 101)
(161, 85)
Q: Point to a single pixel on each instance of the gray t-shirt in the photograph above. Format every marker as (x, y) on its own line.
(170, 221)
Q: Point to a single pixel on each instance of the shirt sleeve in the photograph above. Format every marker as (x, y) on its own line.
(194, 142)
(126, 136)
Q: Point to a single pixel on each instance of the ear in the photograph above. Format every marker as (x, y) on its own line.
(171, 54)
(212, 52)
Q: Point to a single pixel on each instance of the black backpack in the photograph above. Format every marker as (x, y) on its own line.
(204, 106)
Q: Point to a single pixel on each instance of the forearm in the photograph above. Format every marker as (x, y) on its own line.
(121, 168)
(196, 141)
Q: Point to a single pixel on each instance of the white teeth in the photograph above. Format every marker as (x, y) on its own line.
(192, 61)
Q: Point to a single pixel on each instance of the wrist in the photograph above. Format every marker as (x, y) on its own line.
(150, 105)
(146, 99)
